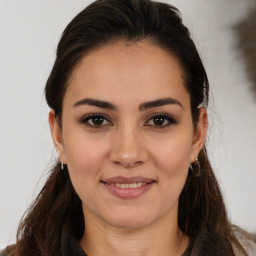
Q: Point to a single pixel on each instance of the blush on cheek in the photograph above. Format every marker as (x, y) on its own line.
(82, 153)
(175, 161)
(174, 171)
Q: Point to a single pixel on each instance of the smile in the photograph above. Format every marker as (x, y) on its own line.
(132, 185)
(128, 187)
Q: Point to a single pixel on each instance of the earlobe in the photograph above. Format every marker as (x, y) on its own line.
(200, 134)
(56, 135)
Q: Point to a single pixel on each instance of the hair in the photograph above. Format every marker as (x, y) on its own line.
(57, 210)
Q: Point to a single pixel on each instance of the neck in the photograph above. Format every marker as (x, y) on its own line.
(163, 238)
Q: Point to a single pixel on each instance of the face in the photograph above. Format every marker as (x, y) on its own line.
(127, 135)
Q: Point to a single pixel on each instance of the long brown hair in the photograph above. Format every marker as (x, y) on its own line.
(57, 210)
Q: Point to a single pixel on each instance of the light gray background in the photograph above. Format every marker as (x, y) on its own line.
(29, 33)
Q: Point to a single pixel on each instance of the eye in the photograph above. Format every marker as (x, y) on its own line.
(161, 121)
(95, 121)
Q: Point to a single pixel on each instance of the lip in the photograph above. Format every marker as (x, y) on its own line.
(128, 180)
(128, 193)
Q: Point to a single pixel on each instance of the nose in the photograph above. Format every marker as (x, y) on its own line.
(128, 149)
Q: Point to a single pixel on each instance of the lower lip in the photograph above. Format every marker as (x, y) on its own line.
(129, 193)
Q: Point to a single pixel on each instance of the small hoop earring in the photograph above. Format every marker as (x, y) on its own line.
(62, 166)
(195, 167)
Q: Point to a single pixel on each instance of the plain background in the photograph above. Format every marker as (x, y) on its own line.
(29, 33)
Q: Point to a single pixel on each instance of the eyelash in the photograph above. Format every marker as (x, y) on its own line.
(166, 117)
(85, 120)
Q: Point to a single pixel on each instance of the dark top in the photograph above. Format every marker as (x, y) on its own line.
(204, 245)
(73, 249)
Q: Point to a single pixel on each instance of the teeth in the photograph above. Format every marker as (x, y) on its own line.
(132, 185)
(135, 185)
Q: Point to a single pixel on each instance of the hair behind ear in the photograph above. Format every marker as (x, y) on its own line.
(202, 209)
(55, 213)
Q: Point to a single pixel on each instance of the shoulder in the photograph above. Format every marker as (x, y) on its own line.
(8, 251)
(248, 245)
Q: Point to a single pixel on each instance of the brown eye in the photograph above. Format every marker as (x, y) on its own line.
(160, 121)
(95, 121)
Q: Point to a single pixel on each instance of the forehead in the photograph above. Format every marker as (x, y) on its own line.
(125, 72)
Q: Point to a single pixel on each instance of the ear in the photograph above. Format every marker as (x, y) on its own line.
(56, 135)
(199, 134)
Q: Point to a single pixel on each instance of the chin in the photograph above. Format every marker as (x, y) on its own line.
(128, 220)
(129, 224)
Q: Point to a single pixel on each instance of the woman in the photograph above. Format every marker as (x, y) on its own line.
(128, 95)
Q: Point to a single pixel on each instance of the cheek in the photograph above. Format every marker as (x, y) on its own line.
(83, 151)
(173, 154)
(173, 160)
(85, 158)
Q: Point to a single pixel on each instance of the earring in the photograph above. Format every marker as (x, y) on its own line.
(62, 166)
(195, 167)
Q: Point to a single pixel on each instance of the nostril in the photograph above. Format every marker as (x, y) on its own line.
(128, 153)
(127, 164)
(117, 163)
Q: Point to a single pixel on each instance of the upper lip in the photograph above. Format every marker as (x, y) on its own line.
(128, 180)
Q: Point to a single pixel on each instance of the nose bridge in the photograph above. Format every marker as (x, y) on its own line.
(127, 148)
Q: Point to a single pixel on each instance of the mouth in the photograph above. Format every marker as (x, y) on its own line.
(131, 185)
(128, 187)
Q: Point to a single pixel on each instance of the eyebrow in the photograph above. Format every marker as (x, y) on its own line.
(159, 103)
(142, 107)
(97, 103)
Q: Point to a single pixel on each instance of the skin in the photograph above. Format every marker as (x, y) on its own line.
(129, 143)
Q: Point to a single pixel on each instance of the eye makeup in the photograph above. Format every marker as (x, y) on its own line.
(161, 120)
(101, 121)
(95, 121)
